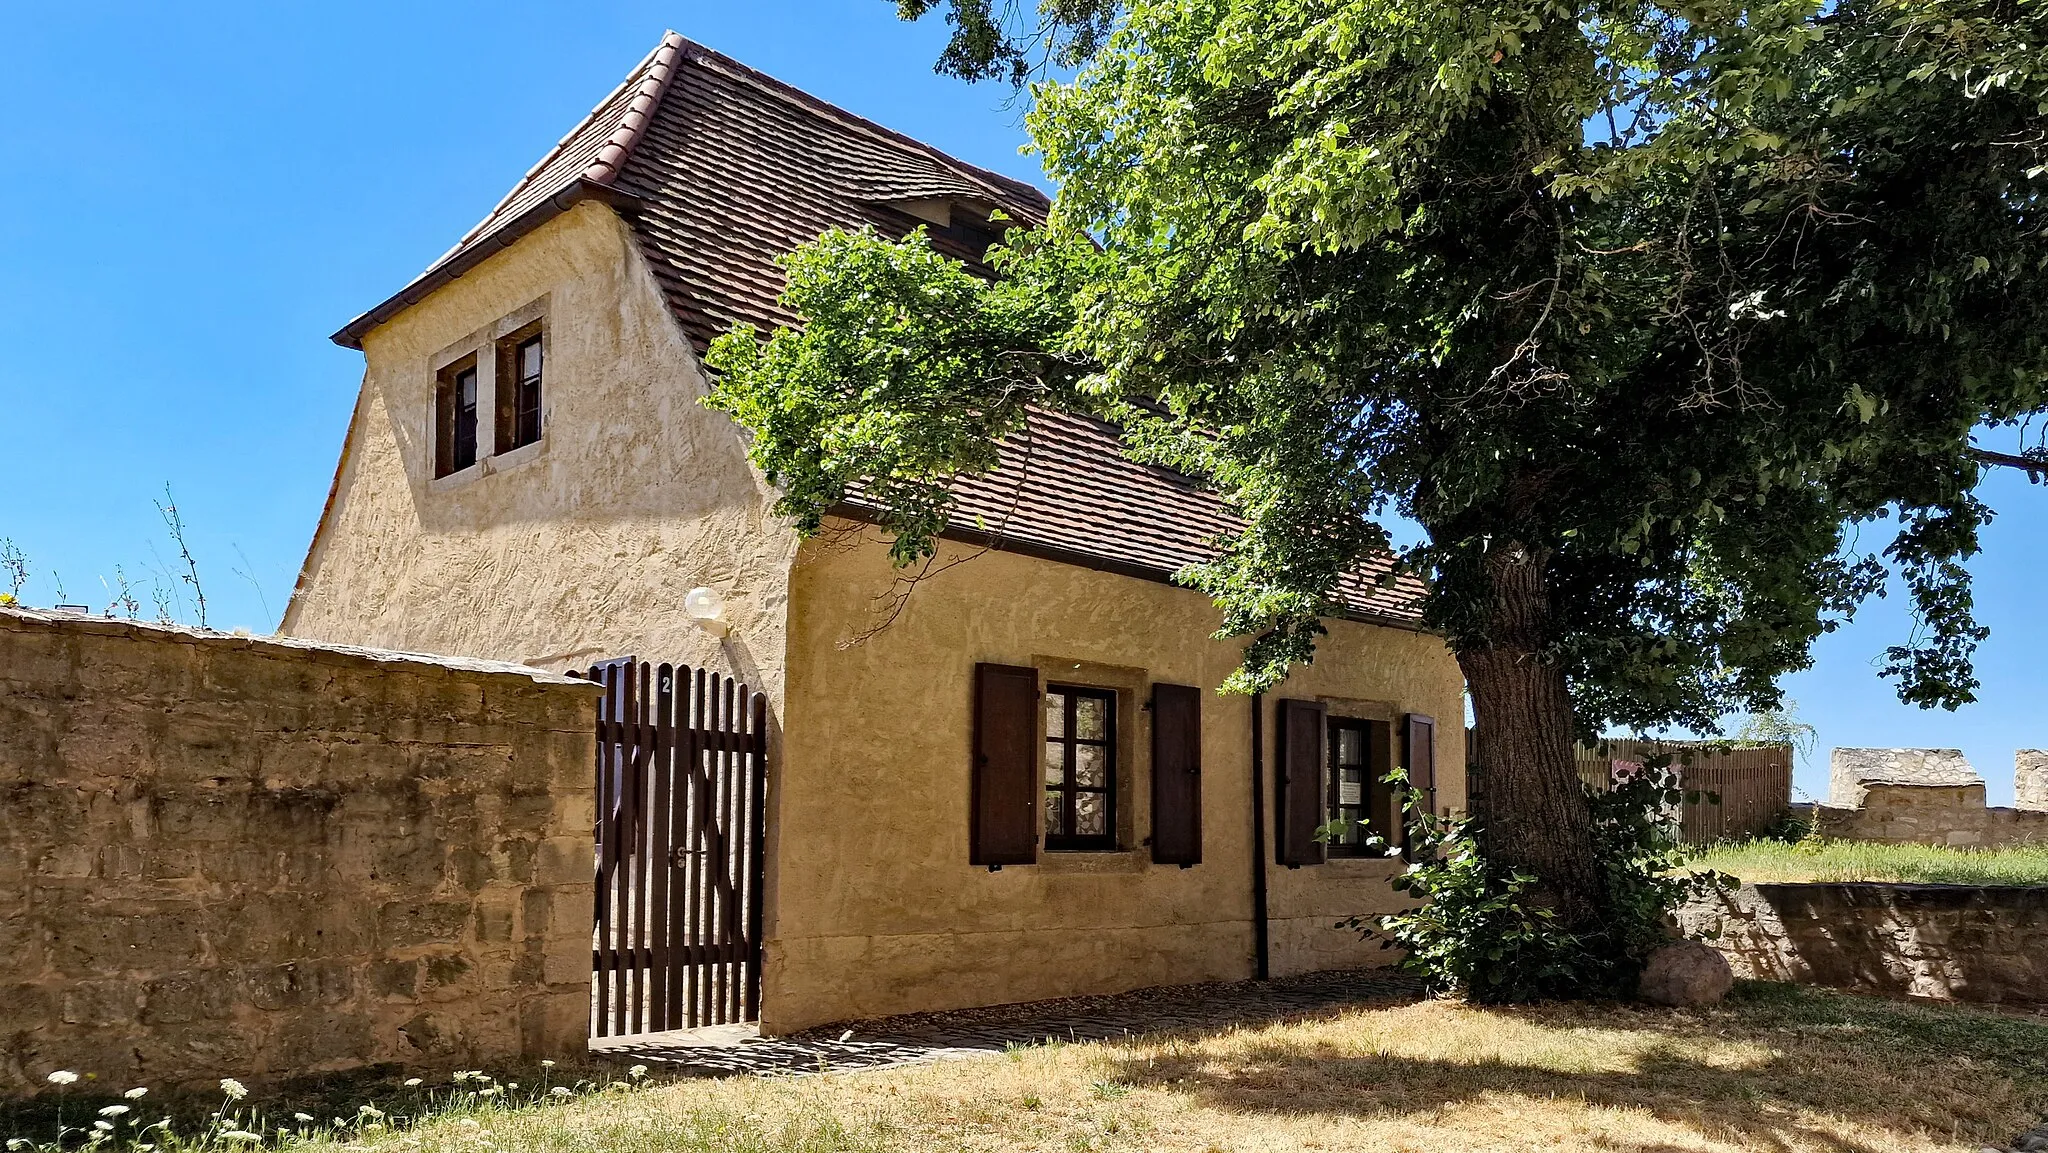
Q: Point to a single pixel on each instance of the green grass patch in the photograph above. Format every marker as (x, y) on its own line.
(1819, 860)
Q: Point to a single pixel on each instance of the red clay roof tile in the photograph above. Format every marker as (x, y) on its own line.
(720, 169)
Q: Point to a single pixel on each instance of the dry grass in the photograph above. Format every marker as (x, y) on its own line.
(1771, 861)
(1775, 1069)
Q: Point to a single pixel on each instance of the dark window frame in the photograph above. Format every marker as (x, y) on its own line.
(1067, 792)
(455, 419)
(521, 397)
(1377, 800)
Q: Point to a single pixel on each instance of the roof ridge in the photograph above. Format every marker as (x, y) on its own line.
(659, 66)
(999, 185)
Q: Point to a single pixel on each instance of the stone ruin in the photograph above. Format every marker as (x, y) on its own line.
(1930, 797)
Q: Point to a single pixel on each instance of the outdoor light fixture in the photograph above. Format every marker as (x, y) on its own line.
(706, 607)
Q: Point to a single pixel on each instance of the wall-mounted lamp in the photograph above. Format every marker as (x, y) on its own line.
(707, 608)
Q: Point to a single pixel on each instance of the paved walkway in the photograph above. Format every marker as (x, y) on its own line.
(734, 1050)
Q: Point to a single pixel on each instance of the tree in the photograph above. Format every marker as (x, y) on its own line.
(1645, 313)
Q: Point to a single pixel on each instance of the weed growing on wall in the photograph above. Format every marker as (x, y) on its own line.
(1483, 930)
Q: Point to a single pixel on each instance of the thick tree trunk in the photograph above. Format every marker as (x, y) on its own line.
(1534, 813)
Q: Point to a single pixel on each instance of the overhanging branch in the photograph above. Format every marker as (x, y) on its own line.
(2036, 467)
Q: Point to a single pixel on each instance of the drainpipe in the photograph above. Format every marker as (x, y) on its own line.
(1259, 943)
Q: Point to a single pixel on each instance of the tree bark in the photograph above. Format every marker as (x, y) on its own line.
(1534, 814)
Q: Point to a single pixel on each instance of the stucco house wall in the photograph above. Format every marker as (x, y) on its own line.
(877, 908)
(576, 549)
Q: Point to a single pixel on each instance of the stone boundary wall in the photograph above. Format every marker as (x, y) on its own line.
(231, 856)
(1946, 942)
(1930, 797)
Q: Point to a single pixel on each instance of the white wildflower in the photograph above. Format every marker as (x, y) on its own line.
(637, 1071)
(560, 1091)
(493, 1091)
(242, 1135)
(137, 1093)
(412, 1082)
(103, 1126)
(63, 1077)
(113, 1110)
(303, 1118)
(234, 1089)
(370, 1111)
(547, 1064)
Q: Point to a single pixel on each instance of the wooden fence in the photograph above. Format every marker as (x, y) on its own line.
(1741, 791)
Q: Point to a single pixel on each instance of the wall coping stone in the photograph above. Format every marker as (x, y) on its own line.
(20, 619)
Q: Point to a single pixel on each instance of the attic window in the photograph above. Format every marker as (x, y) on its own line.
(972, 233)
(455, 393)
(520, 357)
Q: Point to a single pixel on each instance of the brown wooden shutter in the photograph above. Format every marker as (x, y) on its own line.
(1419, 748)
(1299, 781)
(1176, 775)
(1006, 781)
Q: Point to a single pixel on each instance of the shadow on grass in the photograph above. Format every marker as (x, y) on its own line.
(1809, 1055)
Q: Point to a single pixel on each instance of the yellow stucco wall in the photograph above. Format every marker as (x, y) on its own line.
(876, 908)
(579, 548)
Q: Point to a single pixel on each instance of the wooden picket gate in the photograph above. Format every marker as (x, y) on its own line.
(682, 768)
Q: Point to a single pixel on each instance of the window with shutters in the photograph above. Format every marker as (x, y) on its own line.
(455, 400)
(1080, 767)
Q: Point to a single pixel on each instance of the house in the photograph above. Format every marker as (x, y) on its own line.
(1017, 782)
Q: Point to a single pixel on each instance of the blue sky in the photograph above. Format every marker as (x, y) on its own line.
(192, 197)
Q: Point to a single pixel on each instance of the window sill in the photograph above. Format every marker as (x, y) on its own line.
(1367, 866)
(505, 461)
(489, 466)
(1084, 862)
(460, 478)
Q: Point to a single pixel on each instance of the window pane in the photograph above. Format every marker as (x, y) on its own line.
(1091, 814)
(1091, 766)
(1350, 747)
(1055, 820)
(529, 360)
(1055, 763)
(1091, 718)
(1055, 714)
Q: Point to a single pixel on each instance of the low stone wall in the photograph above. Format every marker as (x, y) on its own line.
(1947, 942)
(1930, 797)
(1931, 815)
(227, 856)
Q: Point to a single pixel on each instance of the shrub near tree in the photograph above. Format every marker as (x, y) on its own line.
(1668, 324)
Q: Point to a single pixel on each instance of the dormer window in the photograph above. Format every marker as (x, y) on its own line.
(961, 228)
(455, 395)
(521, 358)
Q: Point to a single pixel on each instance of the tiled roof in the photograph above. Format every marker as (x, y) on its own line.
(1065, 490)
(720, 169)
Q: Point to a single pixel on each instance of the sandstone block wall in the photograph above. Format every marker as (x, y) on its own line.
(2030, 780)
(1852, 772)
(1930, 797)
(1947, 942)
(225, 856)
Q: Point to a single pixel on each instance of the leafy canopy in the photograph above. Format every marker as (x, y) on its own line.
(1674, 301)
